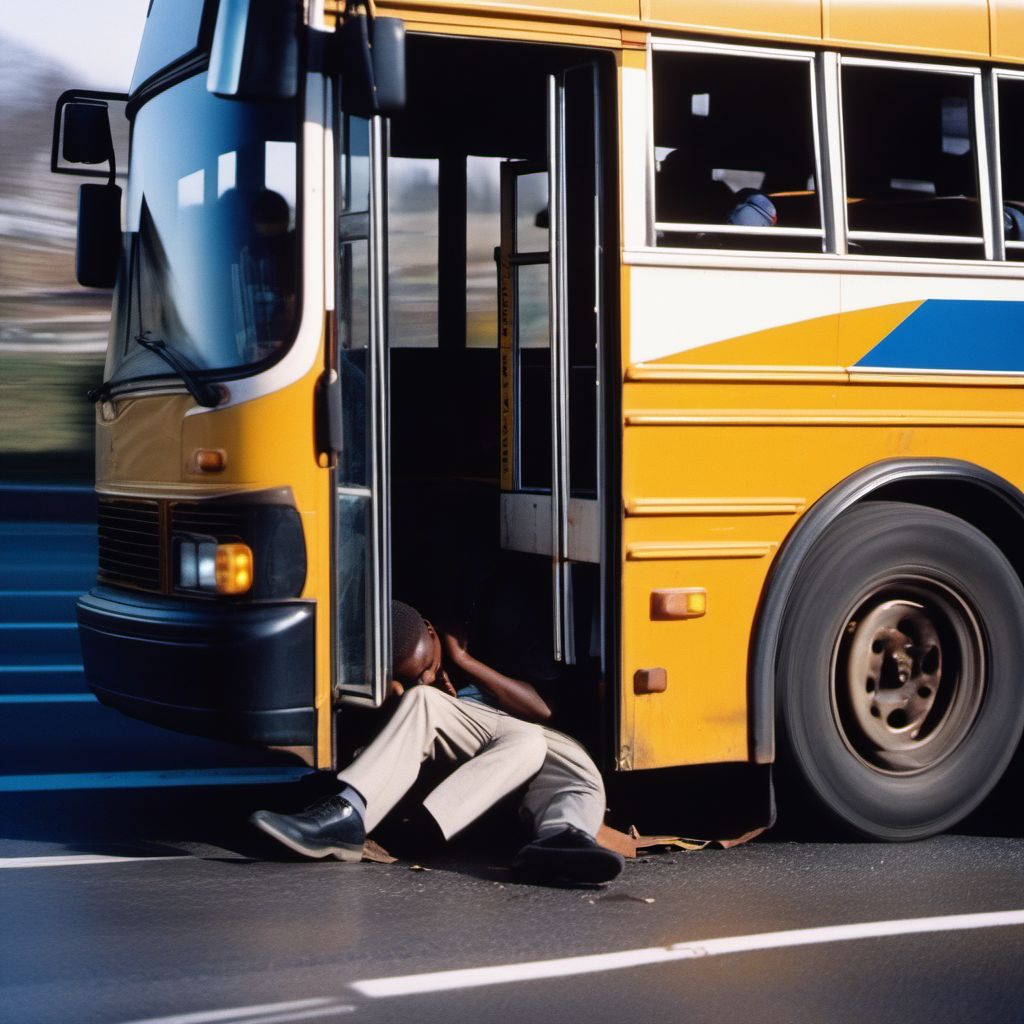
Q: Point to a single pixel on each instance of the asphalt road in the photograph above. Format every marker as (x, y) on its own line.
(213, 923)
(132, 889)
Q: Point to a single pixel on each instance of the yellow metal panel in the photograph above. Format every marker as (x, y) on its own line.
(270, 443)
(598, 11)
(146, 449)
(1008, 30)
(752, 457)
(780, 19)
(952, 27)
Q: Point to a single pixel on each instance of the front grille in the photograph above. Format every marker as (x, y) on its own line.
(208, 520)
(129, 543)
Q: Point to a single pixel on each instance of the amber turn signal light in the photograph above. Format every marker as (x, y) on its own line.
(233, 568)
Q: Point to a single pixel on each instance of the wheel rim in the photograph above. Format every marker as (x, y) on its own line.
(908, 675)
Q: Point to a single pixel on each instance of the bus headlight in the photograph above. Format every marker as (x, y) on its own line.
(211, 568)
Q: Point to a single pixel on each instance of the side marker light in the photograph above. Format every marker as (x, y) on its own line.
(210, 460)
(682, 603)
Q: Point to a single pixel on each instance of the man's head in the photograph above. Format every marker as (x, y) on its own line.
(415, 647)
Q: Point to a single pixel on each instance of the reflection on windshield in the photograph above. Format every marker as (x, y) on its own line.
(211, 251)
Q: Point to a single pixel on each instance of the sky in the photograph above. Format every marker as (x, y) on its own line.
(97, 39)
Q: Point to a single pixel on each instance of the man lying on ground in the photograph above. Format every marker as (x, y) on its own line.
(455, 708)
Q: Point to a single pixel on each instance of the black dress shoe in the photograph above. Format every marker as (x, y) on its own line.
(329, 828)
(566, 858)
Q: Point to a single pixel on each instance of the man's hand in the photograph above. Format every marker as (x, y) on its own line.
(454, 647)
(443, 683)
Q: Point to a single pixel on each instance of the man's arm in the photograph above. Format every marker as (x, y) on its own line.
(515, 696)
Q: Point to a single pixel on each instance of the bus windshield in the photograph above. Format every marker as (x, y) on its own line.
(211, 257)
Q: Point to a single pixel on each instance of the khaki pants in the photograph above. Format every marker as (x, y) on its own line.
(495, 754)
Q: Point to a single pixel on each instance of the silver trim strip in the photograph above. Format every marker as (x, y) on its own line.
(380, 547)
(908, 236)
(991, 87)
(558, 332)
(825, 263)
(729, 49)
(740, 229)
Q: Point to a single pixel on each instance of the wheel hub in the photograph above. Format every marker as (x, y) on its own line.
(908, 675)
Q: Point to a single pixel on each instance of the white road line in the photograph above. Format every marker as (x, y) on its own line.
(442, 981)
(76, 860)
(265, 1013)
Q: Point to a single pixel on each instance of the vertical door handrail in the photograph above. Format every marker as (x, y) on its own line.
(380, 549)
(559, 338)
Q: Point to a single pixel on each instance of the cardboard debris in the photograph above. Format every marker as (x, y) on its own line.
(376, 853)
(629, 843)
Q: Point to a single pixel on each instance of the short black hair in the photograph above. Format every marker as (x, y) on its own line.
(408, 627)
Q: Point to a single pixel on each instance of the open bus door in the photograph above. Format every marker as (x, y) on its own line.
(550, 334)
(362, 544)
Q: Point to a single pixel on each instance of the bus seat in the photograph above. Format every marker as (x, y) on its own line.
(752, 209)
(685, 192)
(1013, 222)
(942, 215)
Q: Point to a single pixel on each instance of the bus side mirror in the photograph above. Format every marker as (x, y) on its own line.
(255, 50)
(87, 133)
(98, 249)
(372, 65)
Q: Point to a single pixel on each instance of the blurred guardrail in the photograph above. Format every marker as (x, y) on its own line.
(53, 733)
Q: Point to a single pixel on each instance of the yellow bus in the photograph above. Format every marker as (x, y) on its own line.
(684, 337)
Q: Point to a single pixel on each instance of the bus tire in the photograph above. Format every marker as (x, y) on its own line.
(900, 674)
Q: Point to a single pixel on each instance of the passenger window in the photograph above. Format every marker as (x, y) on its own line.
(911, 163)
(734, 151)
(483, 233)
(1011, 164)
(413, 252)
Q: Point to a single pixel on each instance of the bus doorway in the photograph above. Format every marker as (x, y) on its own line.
(472, 330)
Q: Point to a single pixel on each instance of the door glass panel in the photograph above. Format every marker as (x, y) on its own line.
(354, 583)
(532, 306)
(352, 530)
(531, 206)
(355, 166)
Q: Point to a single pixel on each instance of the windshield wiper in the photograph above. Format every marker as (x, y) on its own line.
(205, 393)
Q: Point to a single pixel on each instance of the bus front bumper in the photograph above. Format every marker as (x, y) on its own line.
(235, 672)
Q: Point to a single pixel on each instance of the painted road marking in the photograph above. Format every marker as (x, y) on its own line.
(150, 779)
(75, 860)
(443, 981)
(47, 698)
(266, 1013)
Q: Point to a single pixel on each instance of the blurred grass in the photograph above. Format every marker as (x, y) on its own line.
(47, 422)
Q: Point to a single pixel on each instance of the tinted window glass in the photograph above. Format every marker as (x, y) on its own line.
(1011, 158)
(173, 29)
(911, 166)
(212, 255)
(734, 145)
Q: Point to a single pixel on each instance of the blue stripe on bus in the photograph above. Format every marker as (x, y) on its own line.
(150, 779)
(955, 334)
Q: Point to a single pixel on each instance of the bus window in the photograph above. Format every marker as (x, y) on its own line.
(734, 150)
(412, 253)
(1011, 164)
(483, 233)
(911, 165)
